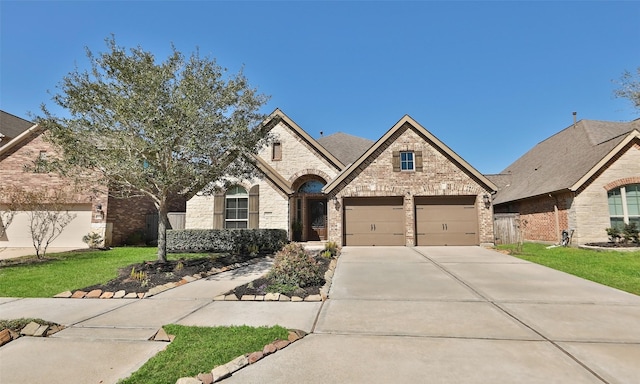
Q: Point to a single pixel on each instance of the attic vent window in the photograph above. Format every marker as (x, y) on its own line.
(407, 161)
(276, 153)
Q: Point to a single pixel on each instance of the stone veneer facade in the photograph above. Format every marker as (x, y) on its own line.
(298, 160)
(441, 176)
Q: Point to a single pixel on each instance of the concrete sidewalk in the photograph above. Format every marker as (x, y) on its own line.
(107, 340)
(460, 315)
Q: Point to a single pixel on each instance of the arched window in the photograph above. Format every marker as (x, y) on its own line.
(311, 186)
(624, 205)
(236, 208)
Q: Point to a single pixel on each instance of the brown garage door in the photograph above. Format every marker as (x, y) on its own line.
(446, 220)
(374, 221)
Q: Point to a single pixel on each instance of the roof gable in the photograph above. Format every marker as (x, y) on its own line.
(407, 122)
(566, 160)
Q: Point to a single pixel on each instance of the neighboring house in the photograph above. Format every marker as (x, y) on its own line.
(114, 219)
(585, 178)
(408, 188)
(11, 126)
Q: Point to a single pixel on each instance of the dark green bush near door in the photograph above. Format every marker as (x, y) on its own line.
(226, 240)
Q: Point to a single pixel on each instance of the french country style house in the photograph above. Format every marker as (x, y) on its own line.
(408, 188)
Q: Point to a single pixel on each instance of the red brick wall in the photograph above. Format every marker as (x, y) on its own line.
(539, 215)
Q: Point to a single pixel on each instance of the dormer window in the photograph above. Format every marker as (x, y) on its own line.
(406, 161)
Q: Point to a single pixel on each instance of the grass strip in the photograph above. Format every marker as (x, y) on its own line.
(199, 349)
(619, 270)
(72, 270)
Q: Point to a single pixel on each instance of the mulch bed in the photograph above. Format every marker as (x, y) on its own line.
(154, 273)
(259, 286)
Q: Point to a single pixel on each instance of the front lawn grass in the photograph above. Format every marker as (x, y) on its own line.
(199, 349)
(619, 270)
(67, 271)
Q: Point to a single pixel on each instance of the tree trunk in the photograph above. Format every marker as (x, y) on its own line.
(163, 220)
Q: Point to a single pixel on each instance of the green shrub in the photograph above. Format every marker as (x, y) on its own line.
(92, 239)
(225, 240)
(630, 233)
(614, 234)
(295, 267)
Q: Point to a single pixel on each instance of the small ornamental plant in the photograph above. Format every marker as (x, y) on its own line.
(293, 266)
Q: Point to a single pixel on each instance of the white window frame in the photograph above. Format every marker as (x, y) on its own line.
(236, 193)
(625, 209)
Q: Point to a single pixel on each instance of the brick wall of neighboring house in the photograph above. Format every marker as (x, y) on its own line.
(440, 177)
(128, 216)
(591, 203)
(538, 216)
(14, 174)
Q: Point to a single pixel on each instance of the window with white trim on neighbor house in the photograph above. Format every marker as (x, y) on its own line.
(236, 208)
(624, 205)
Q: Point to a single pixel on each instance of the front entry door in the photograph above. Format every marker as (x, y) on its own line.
(316, 220)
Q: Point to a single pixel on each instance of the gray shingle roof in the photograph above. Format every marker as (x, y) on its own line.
(347, 148)
(560, 161)
(11, 126)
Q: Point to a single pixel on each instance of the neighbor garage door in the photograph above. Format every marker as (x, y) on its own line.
(451, 220)
(374, 221)
(18, 234)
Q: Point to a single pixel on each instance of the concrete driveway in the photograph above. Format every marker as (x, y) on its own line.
(460, 315)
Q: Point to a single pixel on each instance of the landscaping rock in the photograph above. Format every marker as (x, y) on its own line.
(64, 295)
(255, 356)
(259, 297)
(205, 378)
(284, 298)
(272, 297)
(237, 363)
(30, 329)
(131, 295)
(78, 294)
(5, 337)
(230, 298)
(313, 298)
(293, 337)
(119, 295)
(161, 335)
(41, 331)
(297, 299)
(269, 349)
(107, 295)
(219, 373)
(94, 294)
(280, 344)
(219, 298)
(247, 298)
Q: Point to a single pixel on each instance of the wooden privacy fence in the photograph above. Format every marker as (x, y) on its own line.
(506, 228)
(176, 221)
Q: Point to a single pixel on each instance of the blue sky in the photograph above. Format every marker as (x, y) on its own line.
(489, 79)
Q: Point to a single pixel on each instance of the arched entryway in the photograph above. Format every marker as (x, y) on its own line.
(309, 216)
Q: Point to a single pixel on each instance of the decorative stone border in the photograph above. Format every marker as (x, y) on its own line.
(221, 372)
(324, 291)
(32, 329)
(99, 294)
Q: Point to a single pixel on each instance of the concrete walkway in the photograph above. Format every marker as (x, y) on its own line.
(460, 315)
(395, 315)
(107, 340)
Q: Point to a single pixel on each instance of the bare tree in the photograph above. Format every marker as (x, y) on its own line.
(48, 215)
(7, 212)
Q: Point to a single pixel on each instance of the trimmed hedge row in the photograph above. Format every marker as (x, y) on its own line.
(226, 240)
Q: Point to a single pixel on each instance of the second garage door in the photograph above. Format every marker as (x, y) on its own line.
(374, 221)
(446, 220)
